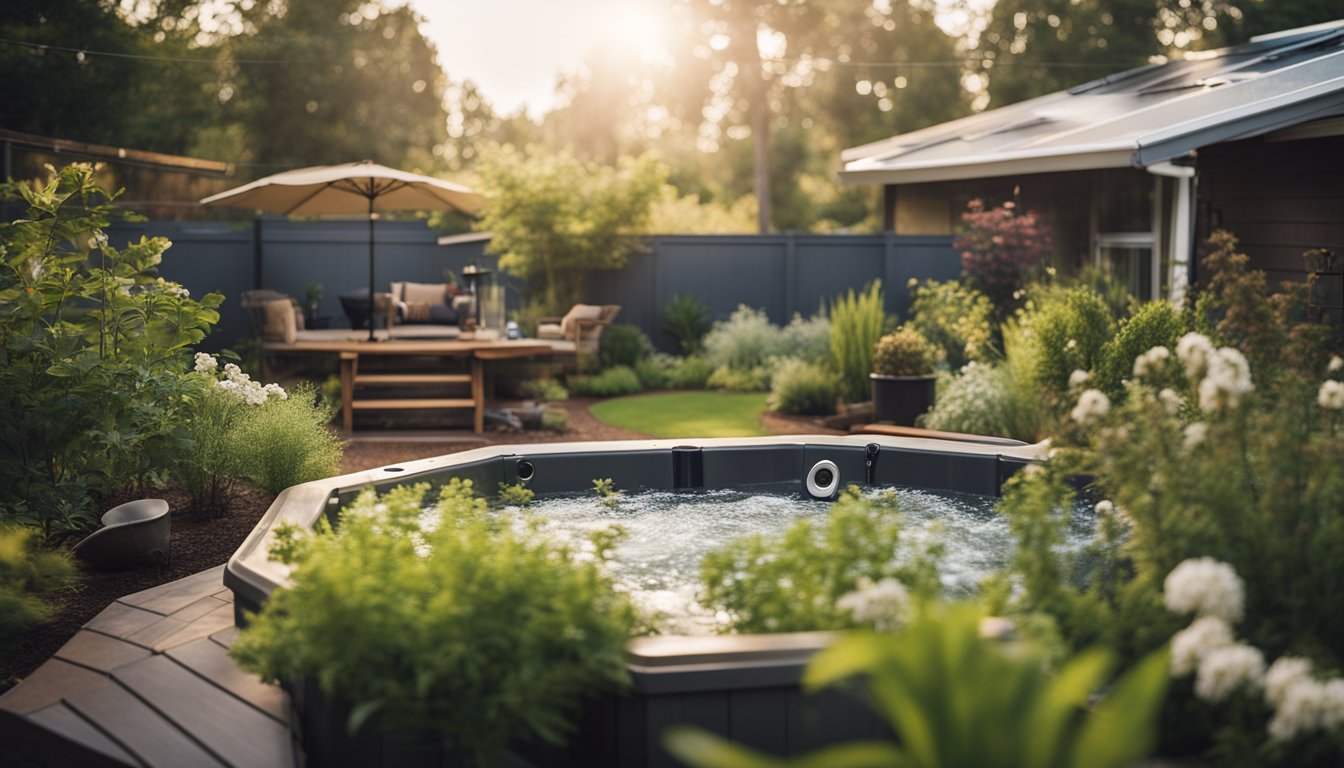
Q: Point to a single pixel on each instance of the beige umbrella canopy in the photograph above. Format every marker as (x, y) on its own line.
(349, 189)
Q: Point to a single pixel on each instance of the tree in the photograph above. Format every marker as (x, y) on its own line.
(553, 218)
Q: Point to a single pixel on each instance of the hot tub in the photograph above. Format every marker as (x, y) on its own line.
(742, 686)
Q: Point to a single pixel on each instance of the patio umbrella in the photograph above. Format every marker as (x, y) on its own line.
(349, 189)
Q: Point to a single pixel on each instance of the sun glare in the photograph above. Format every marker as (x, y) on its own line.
(636, 26)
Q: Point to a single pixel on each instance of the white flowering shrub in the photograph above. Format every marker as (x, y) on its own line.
(977, 401)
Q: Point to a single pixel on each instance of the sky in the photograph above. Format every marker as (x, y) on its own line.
(514, 49)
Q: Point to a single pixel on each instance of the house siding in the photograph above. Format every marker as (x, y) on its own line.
(1280, 198)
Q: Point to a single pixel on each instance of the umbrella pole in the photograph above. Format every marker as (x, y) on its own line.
(372, 303)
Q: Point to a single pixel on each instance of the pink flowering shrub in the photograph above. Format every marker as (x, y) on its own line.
(1000, 249)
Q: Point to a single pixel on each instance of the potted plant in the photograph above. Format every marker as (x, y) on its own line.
(313, 296)
(903, 376)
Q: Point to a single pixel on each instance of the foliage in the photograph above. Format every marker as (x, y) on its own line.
(794, 582)
(516, 495)
(686, 414)
(606, 491)
(287, 441)
(1069, 327)
(390, 617)
(622, 344)
(1235, 306)
(545, 389)
(555, 420)
(955, 317)
(29, 576)
(977, 401)
(687, 319)
(1029, 418)
(613, 382)
(740, 379)
(1001, 250)
(673, 213)
(690, 372)
(954, 698)
(91, 348)
(553, 218)
(746, 340)
(1154, 324)
(905, 352)
(210, 468)
(655, 371)
(1102, 280)
(856, 325)
(808, 339)
(801, 387)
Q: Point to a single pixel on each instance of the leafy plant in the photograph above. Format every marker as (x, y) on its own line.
(287, 441)
(794, 582)
(691, 372)
(390, 617)
(978, 401)
(606, 490)
(856, 325)
(613, 382)
(955, 699)
(808, 339)
(688, 320)
(746, 340)
(731, 379)
(517, 494)
(555, 420)
(904, 352)
(1154, 324)
(210, 468)
(622, 344)
(801, 387)
(1001, 248)
(956, 318)
(29, 576)
(545, 389)
(1069, 327)
(655, 371)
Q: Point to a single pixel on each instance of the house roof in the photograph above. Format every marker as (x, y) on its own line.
(1136, 118)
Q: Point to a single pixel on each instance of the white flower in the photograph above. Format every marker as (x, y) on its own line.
(1092, 404)
(277, 390)
(1302, 708)
(1224, 670)
(228, 385)
(883, 604)
(232, 371)
(1150, 360)
(1071, 345)
(1194, 435)
(1171, 401)
(1336, 363)
(1193, 643)
(1331, 395)
(1228, 378)
(1078, 378)
(1284, 673)
(1105, 507)
(1205, 587)
(205, 363)
(1194, 350)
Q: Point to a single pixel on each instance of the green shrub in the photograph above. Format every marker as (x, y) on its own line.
(956, 318)
(856, 325)
(808, 339)
(555, 420)
(746, 340)
(800, 387)
(1070, 327)
(1029, 417)
(1155, 324)
(954, 699)
(794, 582)
(29, 576)
(516, 495)
(655, 371)
(287, 441)
(209, 468)
(622, 344)
(740, 379)
(691, 372)
(545, 389)
(904, 352)
(474, 630)
(613, 382)
(688, 320)
(978, 401)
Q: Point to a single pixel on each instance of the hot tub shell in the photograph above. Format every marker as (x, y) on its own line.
(742, 686)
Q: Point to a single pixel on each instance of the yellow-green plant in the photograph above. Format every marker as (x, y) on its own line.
(29, 576)
(957, 700)
(955, 317)
(517, 495)
(856, 324)
(904, 352)
(606, 491)
(469, 630)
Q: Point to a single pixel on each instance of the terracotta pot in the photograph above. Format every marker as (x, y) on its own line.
(900, 399)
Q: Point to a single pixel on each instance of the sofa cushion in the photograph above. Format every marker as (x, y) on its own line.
(281, 323)
(424, 293)
(578, 312)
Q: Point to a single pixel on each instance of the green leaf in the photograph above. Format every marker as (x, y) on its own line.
(1122, 729)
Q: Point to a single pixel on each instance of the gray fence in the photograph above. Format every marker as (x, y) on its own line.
(781, 274)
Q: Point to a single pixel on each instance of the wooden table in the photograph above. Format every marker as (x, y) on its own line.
(475, 353)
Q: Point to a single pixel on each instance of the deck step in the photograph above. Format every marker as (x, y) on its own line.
(378, 405)
(413, 378)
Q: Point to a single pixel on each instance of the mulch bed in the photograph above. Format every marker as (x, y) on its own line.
(199, 544)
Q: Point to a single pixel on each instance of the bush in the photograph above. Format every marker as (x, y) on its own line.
(394, 619)
(793, 583)
(803, 388)
(655, 371)
(904, 352)
(1001, 250)
(287, 441)
(740, 379)
(691, 372)
(209, 468)
(688, 320)
(555, 420)
(746, 340)
(1070, 326)
(622, 344)
(29, 576)
(1155, 324)
(956, 318)
(856, 325)
(807, 339)
(545, 389)
(612, 382)
(979, 401)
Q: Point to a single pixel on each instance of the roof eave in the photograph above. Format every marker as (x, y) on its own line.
(988, 166)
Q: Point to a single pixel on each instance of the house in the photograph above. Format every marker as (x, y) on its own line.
(1135, 169)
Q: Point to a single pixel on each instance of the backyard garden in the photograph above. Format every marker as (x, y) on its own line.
(1170, 586)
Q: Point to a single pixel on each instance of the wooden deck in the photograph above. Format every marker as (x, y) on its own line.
(148, 682)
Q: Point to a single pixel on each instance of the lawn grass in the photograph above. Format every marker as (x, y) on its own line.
(686, 414)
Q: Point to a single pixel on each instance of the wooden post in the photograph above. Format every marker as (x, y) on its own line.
(349, 369)
(478, 392)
